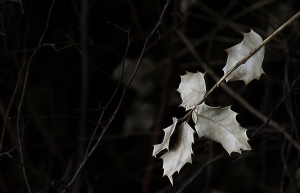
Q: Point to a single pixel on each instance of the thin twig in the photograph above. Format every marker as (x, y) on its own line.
(276, 107)
(115, 92)
(285, 165)
(273, 137)
(47, 116)
(174, 27)
(120, 101)
(5, 156)
(23, 94)
(198, 172)
(118, 27)
(12, 98)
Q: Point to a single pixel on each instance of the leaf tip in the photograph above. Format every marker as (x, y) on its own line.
(169, 176)
(171, 179)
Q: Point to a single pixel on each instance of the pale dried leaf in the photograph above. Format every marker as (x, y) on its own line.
(165, 144)
(220, 125)
(180, 153)
(252, 68)
(192, 89)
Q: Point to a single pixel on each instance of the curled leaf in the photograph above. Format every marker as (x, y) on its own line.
(252, 68)
(180, 153)
(192, 89)
(220, 125)
(165, 144)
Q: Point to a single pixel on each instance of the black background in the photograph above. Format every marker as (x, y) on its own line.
(123, 160)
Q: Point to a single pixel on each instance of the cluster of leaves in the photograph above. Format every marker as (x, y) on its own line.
(216, 123)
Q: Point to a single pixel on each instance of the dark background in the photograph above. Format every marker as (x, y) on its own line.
(55, 134)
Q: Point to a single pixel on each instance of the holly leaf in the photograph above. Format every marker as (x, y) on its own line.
(220, 125)
(165, 144)
(180, 153)
(252, 68)
(192, 89)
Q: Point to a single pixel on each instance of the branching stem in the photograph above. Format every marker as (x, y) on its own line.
(243, 61)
